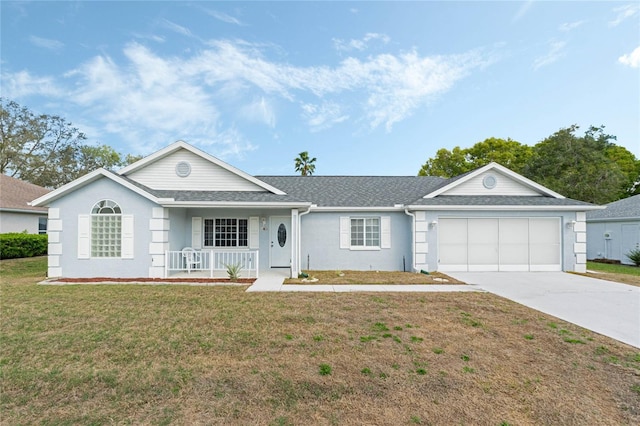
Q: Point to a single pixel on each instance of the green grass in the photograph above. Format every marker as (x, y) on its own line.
(168, 354)
(613, 268)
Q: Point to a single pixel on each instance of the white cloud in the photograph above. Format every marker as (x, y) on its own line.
(261, 111)
(22, 84)
(359, 44)
(322, 116)
(176, 28)
(46, 43)
(221, 16)
(522, 10)
(623, 13)
(569, 26)
(631, 59)
(150, 99)
(556, 51)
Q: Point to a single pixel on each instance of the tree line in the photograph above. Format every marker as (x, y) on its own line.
(588, 167)
(47, 150)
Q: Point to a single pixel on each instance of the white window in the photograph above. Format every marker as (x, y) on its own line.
(106, 229)
(365, 232)
(42, 225)
(226, 232)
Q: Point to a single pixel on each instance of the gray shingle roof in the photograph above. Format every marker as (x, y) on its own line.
(621, 209)
(355, 191)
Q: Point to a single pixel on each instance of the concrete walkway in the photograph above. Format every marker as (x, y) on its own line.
(608, 308)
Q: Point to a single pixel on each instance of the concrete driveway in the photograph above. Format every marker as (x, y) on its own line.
(608, 308)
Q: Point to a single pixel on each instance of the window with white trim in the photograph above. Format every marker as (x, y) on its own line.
(226, 232)
(42, 225)
(365, 232)
(106, 229)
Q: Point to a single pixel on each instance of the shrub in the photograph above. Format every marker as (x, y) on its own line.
(233, 271)
(634, 256)
(17, 245)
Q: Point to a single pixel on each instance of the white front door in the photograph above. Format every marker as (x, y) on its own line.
(280, 242)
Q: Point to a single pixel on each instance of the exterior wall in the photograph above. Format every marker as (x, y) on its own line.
(320, 245)
(20, 222)
(504, 186)
(204, 175)
(573, 237)
(63, 227)
(624, 236)
(264, 233)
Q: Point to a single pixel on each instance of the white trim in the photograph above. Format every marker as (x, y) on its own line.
(183, 145)
(197, 232)
(385, 232)
(357, 209)
(499, 207)
(231, 204)
(84, 236)
(127, 234)
(87, 179)
(42, 212)
(501, 169)
(254, 232)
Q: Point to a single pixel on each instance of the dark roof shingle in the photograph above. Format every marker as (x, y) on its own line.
(625, 208)
(15, 194)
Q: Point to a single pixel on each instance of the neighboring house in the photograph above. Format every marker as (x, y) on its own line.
(16, 215)
(134, 223)
(614, 231)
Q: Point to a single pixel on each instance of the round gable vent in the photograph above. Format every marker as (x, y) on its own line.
(183, 169)
(489, 181)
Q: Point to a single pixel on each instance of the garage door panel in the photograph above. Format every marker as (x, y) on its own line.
(504, 244)
(483, 244)
(452, 234)
(514, 244)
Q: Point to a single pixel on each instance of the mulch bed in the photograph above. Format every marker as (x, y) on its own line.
(241, 281)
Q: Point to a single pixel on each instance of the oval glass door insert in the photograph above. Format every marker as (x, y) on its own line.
(282, 235)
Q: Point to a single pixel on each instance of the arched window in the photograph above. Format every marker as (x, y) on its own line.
(106, 229)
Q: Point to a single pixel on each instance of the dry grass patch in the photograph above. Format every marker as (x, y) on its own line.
(614, 272)
(143, 354)
(374, 277)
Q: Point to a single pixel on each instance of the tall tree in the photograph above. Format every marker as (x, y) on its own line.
(507, 152)
(304, 164)
(46, 149)
(580, 167)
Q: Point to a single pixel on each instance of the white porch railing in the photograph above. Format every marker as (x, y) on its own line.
(214, 262)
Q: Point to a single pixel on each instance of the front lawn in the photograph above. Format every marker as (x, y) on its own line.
(614, 272)
(141, 354)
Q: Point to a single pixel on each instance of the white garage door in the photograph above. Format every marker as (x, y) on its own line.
(499, 244)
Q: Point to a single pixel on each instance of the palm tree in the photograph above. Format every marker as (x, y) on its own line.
(304, 164)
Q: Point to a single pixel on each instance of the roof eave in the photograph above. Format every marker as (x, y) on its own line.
(85, 180)
(502, 207)
(233, 204)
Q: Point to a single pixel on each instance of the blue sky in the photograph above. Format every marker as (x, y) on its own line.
(369, 88)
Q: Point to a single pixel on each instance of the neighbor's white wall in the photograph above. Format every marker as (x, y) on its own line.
(20, 222)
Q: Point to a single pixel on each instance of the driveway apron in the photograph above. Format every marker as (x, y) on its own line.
(608, 308)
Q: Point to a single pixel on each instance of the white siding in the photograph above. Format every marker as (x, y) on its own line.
(204, 176)
(504, 186)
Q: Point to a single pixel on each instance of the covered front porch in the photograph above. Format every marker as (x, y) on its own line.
(197, 242)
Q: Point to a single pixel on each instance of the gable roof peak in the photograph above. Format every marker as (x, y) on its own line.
(458, 180)
(180, 144)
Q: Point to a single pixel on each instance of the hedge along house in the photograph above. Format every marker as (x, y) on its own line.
(138, 221)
